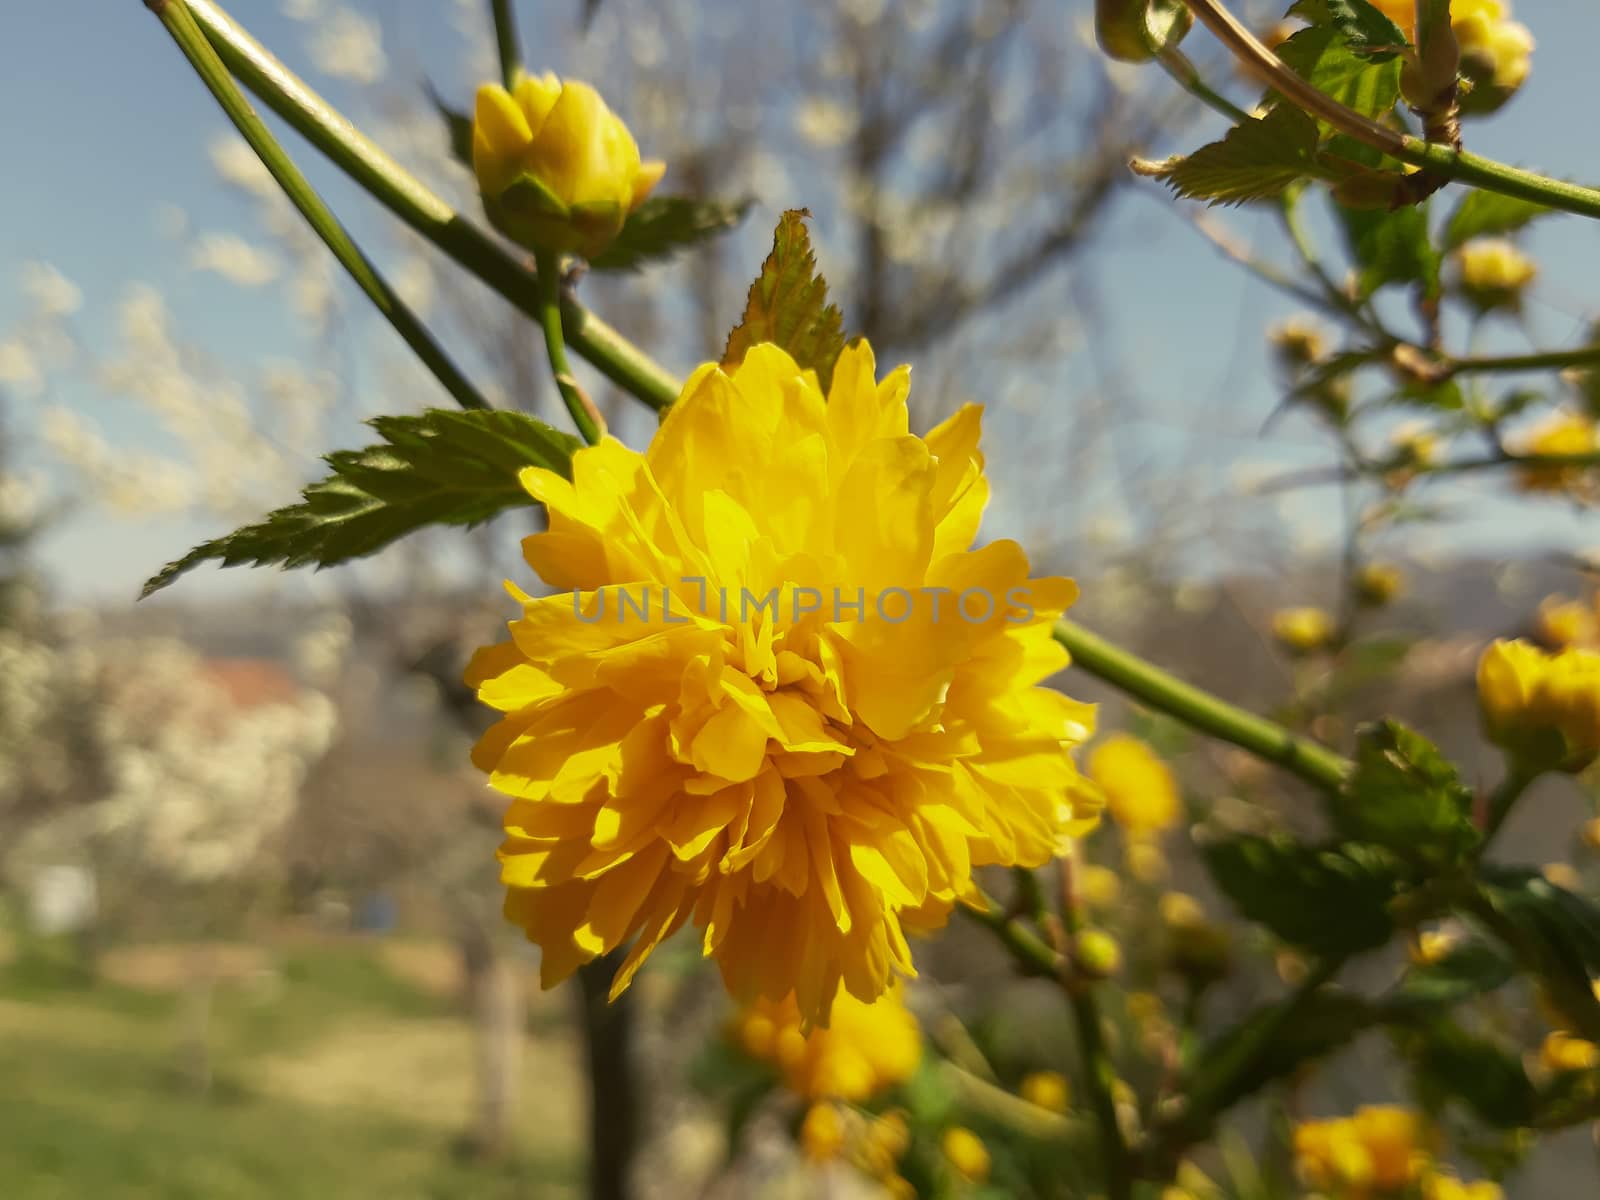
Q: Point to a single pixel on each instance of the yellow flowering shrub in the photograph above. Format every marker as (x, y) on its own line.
(557, 169)
(1544, 708)
(776, 695)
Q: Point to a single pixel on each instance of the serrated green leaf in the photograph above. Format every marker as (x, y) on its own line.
(1326, 901)
(1454, 1065)
(662, 226)
(788, 305)
(1405, 795)
(1256, 160)
(1368, 29)
(1323, 56)
(1484, 214)
(439, 468)
(1391, 248)
(457, 128)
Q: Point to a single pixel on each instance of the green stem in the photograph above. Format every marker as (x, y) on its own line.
(1447, 162)
(1583, 356)
(409, 199)
(999, 1105)
(548, 264)
(1187, 76)
(1504, 798)
(1311, 761)
(1033, 957)
(180, 23)
(505, 37)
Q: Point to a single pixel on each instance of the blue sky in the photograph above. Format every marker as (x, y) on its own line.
(106, 127)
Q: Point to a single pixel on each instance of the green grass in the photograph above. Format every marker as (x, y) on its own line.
(91, 1104)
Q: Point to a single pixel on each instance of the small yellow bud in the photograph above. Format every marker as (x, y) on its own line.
(1099, 886)
(1047, 1089)
(822, 1133)
(1146, 863)
(1298, 343)
(1434, 946)
(1494, 273)
(1563, 433)
(1544, 709)
(966, 1152)
(1562, 1053)
(1414, 448)
(1376, 584)
(1096, 954)
(1304, 630)
(1141, 792)
(1563, 875)
(556, 168)
(1138, 30)
(1564, 622)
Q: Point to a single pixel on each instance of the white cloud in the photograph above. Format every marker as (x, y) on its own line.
(19, 369)
(302, 10)
(234, 259)
(52, 293)
(349, 45)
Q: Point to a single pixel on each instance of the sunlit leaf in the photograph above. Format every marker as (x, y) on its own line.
(662, 226)
(788, 304)
(1256, 160)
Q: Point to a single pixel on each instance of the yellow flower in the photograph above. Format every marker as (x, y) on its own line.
(884, 1143)
(777, 696)
(1562, 1053)
(1543, 708)
(966, 1153)
(1302, 630)
(1381, 1148)
(866, 1050)
(822, 1132)
(1564, 622)
(1378, 583)
(1448, 1187)
(556, 168)
(1047, 1089)
(1140, 791)
(1494, 272)
(1496, 52)
(1299, 343)
(1562, 433)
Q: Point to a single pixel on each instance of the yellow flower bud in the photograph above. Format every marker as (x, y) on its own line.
(1137, 30)
(1302, 630)
(1047, 1089)
(1448, 1187)
(1377, 584)
(1414, 447)
(1146, 863)
(966, 1152)
(1434, 946)
(1141, 792)
(822, 1133)
(1564, 622)
(1096, 954)
(1494, 273)
(1099, 886)
(1496, 57)
(556, 168)
(1562, 433)
(1544, 709)
(1563, 1053)
(1563, 875)
(1298, 342)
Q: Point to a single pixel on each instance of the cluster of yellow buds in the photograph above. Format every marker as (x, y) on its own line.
(1496, 52)
(1381, 1150)
(866, 1048)
(556, 168)
(1542, 708)
(1377, 584)
(874, 1145)
(1562, 434)
(1303, 630)
(1564, 623)
(1493, 273)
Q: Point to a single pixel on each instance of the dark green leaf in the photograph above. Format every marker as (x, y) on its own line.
(788, 305)
(1240, 1063)
(1256, 160)
(662, 226)
(1553, 933)
(457, 127)
(1403, 794)
(1469, 970)
(1483, 214)
(439, 468)
(1368, 30)
(1324, 58)
(1391, 248)
(1329, 902)
(1452, 1064)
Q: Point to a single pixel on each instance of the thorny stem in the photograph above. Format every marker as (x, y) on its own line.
(180, 23)
(583, 414)
(1447, 163)
(414, 203)
(1146, 682)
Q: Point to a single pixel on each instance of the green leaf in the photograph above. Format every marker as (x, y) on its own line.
(457, 127)
(662, 226)
(1470, 969)
(1484, 214)
(788, 305)
(439, 468)
(1405, 795)
(1452, 1064)
(1328, 902)
(1367, 29)
(1323, 56)
(1257, 160)
(1552, 932)
(1391, 248)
